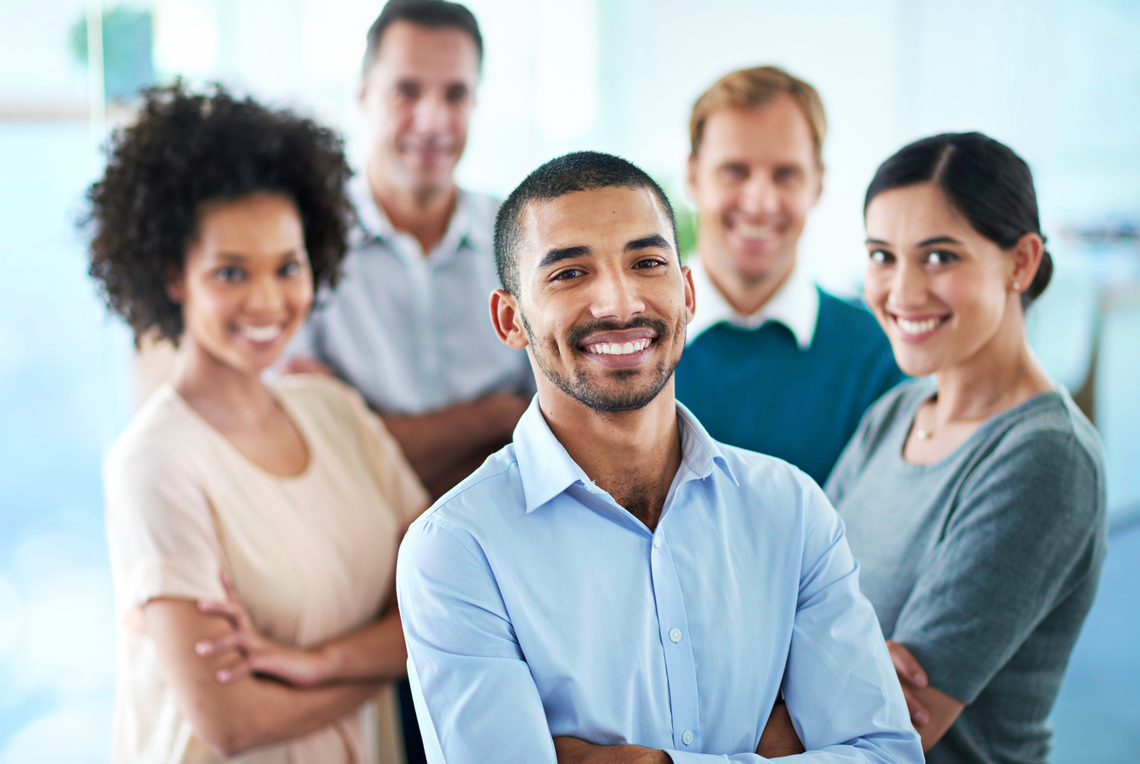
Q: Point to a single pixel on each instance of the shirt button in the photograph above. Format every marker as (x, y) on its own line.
(686, 737)
(656, 542)
(675, 635)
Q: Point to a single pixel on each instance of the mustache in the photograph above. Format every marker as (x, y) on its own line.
(582, 331)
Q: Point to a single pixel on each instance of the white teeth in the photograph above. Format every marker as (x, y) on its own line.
(618, 348)
(916, 328)
(755, 231)
(261, 333)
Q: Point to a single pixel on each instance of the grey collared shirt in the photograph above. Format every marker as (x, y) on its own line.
(413, 332)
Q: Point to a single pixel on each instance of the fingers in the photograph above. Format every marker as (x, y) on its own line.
(229, 610)
(234, 673)
(905, 664)
(918, 713)
(234, 641)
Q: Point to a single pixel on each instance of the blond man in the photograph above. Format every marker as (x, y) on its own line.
(773, 363)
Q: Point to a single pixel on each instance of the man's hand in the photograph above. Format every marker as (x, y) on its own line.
(571, 750)
(931, 710)
(779, 737)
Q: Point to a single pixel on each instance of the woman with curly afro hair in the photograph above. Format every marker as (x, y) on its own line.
(252, 527)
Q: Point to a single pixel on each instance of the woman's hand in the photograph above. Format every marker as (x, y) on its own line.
(260, 655)
(931, 710)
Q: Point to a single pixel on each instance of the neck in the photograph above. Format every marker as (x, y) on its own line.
(632, 455)
(422, 212)
(1002, 373)
(745, 295)
(223, 395)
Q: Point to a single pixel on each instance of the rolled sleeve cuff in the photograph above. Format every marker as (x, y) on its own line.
(190, 578)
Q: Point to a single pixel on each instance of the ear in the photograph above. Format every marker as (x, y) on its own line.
(175, 284)
(691, 177)
(690, 293)
(507, 319)
(1026, 259)
(820, 175)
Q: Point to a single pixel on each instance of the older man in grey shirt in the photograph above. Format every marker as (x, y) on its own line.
(408, 325)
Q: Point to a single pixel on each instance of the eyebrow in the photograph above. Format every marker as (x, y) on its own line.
(648, 242)
(566, 253)
(238, 258)
(924, 243)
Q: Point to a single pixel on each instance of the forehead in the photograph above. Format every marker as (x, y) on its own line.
(408, 50)
(914, 213)
(776, 129)
(603, 219)
(259, 224)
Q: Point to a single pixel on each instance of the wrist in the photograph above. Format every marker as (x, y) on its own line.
(329, 664)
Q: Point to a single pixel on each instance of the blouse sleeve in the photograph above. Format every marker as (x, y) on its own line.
(160, 530)
(1027, 531)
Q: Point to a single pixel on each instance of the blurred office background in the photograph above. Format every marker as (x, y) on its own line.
(1058, 80)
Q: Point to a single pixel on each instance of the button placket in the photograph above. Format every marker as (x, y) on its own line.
(680, 667)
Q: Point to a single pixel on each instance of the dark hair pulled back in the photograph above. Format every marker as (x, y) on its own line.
(983, 179)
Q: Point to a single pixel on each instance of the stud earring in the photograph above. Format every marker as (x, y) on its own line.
(1017, 286)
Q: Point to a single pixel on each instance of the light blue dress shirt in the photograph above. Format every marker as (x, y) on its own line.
(412, 332)
(535, 606)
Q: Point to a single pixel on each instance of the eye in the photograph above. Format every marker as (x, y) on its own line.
(567, 275)
(734, 171)
(649, 262)
(407, 91)
(940, 257)
(457, 94)
(289, 270)
(229, 273)
(786, 174)
(881, 257)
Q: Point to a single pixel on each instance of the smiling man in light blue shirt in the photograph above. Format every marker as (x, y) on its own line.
(616, 586)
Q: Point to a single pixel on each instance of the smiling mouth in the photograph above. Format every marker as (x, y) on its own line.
(618, 348)
(919, 329)
(261, 334)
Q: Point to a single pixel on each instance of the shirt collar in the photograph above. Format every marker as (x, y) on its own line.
(795, 305)
(546, 469)
(375, 225)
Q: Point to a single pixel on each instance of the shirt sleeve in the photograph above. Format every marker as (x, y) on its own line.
(160, 531)
(474, 682)
(841, 689)
(1023, 535)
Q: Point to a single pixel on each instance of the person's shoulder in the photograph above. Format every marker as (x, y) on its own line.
(768, 477)
(157, 432)
(1048, 428)
(851, 319)
(488, 497)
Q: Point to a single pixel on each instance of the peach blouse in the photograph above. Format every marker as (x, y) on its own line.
(311, 556)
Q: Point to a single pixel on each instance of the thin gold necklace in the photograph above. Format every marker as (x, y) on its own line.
(923, 434)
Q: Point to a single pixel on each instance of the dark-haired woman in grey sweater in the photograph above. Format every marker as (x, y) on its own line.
(974, 499)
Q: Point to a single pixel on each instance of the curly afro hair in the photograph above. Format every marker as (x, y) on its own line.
(189, 148)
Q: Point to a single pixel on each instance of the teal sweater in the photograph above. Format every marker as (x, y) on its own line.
(755, 388)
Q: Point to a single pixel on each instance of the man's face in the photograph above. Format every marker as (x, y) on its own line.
(754, 179)
(417, 98)
(603, 300)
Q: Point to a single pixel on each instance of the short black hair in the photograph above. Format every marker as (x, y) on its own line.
(433, 14)
(577, 171)
(188, 148)
(981, 178)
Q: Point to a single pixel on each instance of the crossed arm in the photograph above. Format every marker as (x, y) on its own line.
(241, 690)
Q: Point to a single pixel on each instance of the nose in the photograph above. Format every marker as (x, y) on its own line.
(759, 195)
(616, 295)
(908, 286)
(431, 113)
(265, 297)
